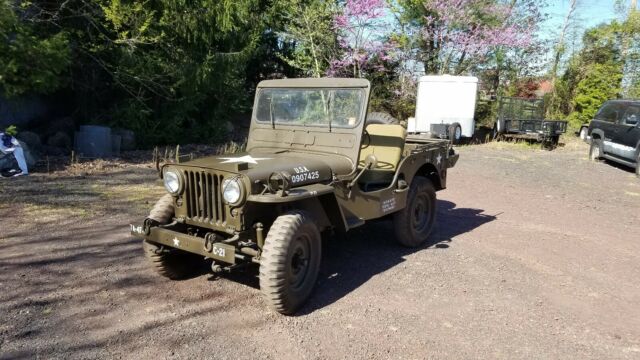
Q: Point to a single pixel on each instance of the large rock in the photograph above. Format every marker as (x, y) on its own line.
(31, 139)
(60, 140)
(63, 124)
(127, 138)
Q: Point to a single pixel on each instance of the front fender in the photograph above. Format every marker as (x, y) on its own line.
(324, 194)
(597, 133)
(295, 194)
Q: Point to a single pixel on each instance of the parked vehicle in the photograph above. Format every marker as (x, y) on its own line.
(615, 133)
(522, 118)
(315, 163)
(445, 107)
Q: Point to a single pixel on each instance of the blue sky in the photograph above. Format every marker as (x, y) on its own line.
(588, 13)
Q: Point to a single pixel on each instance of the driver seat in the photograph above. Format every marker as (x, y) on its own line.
(386, 143)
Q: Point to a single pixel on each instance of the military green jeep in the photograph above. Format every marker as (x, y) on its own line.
(315, 162)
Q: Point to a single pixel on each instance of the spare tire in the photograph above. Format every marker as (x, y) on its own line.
(455, 133)
(381, 118)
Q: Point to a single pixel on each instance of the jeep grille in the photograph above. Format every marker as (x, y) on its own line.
(203, 197)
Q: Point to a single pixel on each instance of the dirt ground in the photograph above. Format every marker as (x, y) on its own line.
(536, 255)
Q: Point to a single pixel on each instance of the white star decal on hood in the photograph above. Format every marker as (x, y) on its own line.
(242, 159)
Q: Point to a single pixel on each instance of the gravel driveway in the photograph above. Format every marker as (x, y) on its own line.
(536, 255)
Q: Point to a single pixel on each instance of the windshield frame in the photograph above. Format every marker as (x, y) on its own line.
(330, 124)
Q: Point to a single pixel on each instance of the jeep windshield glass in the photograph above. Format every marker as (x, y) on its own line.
(339, 108)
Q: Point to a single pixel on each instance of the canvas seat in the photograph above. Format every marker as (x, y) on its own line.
(386, 143)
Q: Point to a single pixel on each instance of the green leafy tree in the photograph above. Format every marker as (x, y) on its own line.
(308, 25)
(593, 76)
(600, 83)
(29, 62)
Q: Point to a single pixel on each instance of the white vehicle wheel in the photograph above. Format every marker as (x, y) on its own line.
(583, 133)
(595, 150)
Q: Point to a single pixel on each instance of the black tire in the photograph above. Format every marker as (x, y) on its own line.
(455, 133)
(290, 261)
(551, 142)
(381, 118)
(638, 165)
(169, 262)
(495, 135)
(414, 223)
(162, 211)
(595, 150)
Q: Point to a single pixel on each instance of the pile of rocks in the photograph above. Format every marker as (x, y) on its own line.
(56, 140)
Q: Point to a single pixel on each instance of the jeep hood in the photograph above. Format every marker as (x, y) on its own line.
(304, 168)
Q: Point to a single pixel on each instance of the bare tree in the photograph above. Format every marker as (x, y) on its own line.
(559, 52)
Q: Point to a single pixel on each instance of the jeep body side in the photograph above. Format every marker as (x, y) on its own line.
(312, 164)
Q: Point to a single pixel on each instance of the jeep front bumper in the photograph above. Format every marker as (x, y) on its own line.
(193, 244)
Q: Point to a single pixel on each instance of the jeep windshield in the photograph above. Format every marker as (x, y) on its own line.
(340, 108)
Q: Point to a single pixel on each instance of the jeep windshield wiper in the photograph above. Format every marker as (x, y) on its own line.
(329, 113)
(273, 123)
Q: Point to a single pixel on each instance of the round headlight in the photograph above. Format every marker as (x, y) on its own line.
(172, 182)
(231, 191)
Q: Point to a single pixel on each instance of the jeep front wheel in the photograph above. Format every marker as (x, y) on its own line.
(414, 223)
(290, 261)
(169, 262)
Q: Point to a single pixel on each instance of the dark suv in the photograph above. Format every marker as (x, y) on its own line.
(615, 133)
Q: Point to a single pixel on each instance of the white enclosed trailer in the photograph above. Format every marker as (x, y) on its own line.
(445, 106)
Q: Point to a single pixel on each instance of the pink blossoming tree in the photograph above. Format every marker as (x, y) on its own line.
(360, 29)
(460, 33)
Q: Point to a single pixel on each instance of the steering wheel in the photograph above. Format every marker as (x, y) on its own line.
(365, 135)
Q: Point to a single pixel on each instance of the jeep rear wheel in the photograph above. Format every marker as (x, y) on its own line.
(169, 262)
(638, 165)
(290, 261)
(595, 150)
(414, 223)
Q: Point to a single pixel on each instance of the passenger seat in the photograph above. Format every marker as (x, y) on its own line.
(386, 143)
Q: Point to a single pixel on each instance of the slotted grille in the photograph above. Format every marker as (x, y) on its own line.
(203, 197)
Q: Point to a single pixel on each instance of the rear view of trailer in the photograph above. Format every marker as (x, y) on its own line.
(445, 107)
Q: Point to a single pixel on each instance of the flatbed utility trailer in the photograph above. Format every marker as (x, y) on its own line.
(522, 118)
